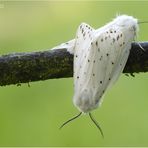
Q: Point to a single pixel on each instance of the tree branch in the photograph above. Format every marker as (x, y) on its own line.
(28, 67)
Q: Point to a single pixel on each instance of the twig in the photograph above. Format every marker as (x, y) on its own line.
(19, 68)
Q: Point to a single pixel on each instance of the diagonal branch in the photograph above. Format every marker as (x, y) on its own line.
(35, 66)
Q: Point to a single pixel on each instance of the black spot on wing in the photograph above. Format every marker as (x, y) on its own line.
(82, 30)
(111, 31)
(101, 58)
(107, 54)
(117, 37)
(84, 34)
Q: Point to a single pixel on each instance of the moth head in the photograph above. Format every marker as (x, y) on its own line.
(128, 22)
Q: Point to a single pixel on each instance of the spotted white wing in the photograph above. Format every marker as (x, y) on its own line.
(113, 54)
(84, 37)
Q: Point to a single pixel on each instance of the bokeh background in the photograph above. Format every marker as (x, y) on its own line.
(31, 116)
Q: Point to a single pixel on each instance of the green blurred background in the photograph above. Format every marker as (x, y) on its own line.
(31, 116)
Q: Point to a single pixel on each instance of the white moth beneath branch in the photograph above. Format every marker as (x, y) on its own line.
(99, 59)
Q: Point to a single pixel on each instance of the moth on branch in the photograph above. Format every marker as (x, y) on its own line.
(19, 68)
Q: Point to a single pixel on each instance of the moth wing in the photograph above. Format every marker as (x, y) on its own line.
(111, 58)
(68, 45)
(84, 37)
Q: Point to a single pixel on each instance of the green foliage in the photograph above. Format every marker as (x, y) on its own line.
(31, 116)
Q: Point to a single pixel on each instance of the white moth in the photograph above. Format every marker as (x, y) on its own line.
(99, 59)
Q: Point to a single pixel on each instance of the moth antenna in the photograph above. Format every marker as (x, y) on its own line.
(142, 22)
(70, 120)
(96, 123)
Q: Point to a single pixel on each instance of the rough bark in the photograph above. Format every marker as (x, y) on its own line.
(19, 68)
